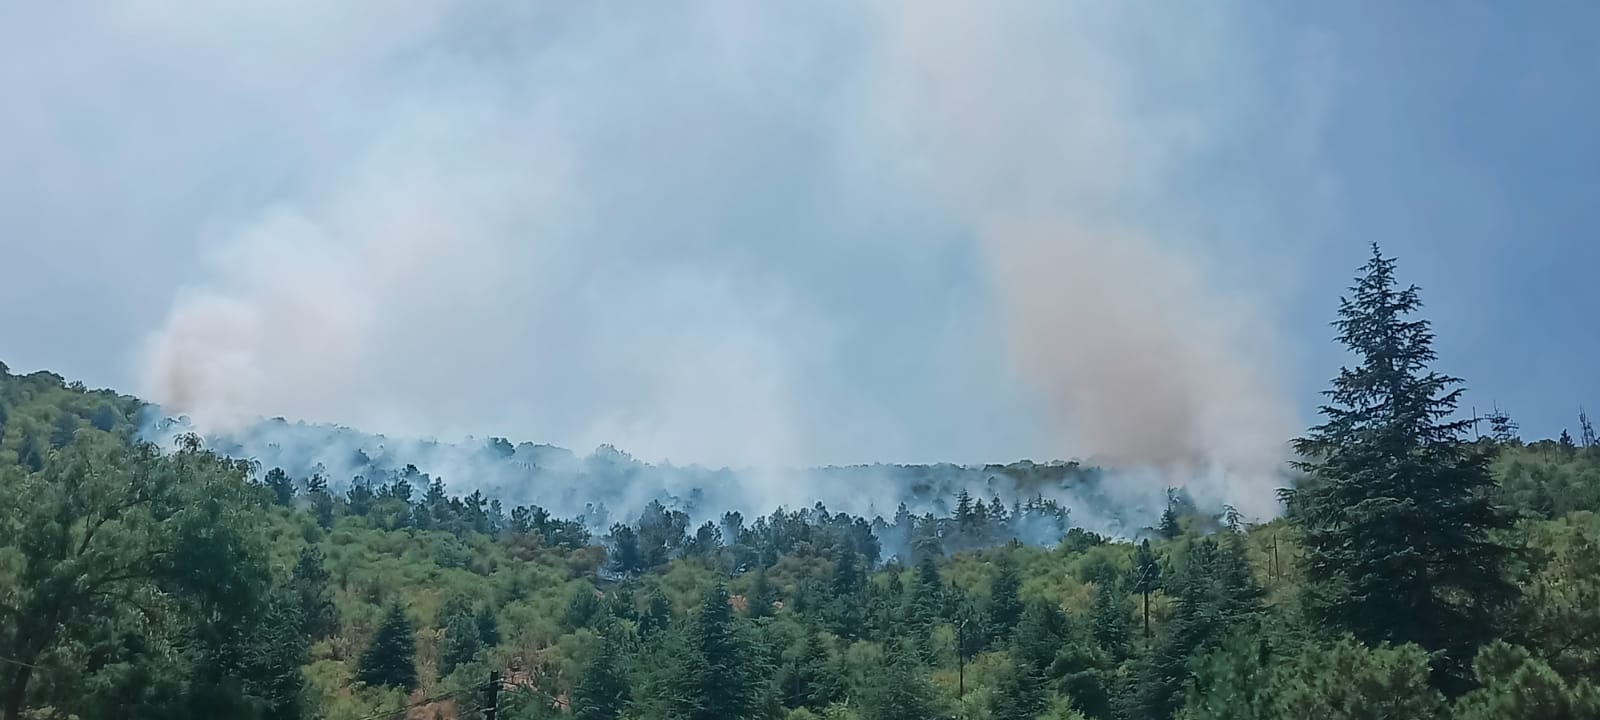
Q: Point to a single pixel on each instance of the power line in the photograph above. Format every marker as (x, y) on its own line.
(415, 705)
(20, 663)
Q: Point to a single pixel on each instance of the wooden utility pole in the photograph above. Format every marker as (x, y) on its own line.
(961, 660)
(491, 708)
(1146, 594)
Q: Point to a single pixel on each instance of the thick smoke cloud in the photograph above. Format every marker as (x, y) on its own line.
(1145, 360)
(521, 228)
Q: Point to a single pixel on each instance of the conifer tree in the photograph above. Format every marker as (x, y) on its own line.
(846, 607)
(582, 609)
(1169, 527)
(759, 602)
(1111, 621)
(29, 454)
(1019, 695)
(625, 556)
(1040, 635)
(359, 497)
(391, 658)
(896, 689)
(275, 658)
(1395, 511)
(723, 675)
(810, 678)
(321, 500)
(66, 428)
(319, 618)
(487, 626)
(927, 598)
(454, 605)
(1239, 595)
(1206, 611)
(657, 615)
(601, 692)
(1005, 602)
(461, 643)
(281, 486)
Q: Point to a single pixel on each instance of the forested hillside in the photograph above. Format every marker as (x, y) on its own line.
(1426, 567)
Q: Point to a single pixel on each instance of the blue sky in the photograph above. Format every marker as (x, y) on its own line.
(738, 233)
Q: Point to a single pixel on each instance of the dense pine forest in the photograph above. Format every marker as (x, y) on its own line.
(1427, 564)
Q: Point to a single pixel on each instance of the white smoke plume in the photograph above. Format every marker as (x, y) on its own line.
(1145, 360)
(518, 231)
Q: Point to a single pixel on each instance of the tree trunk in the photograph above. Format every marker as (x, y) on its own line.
(16, 690)
(1146, 617)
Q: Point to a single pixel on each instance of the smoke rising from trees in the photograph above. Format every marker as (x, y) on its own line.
(526, 231)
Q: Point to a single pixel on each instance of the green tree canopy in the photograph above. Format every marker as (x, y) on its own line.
(1396, 511)
(390, 660)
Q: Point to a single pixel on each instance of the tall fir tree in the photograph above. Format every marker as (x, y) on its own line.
(274, 658)
(1111, 621)
(1396, 510)
(1169, 526)
(897, 689)
(722, 675)
(657, 615)
(391, 658)
(758, 603)
(809, 678)
(461, 643)
(487, 626)
(1005, 601)
(281, 485)
(321, 500)
(1211, 603)
(845, 610)
(1020, 694)
(601, 692)
(319, 618)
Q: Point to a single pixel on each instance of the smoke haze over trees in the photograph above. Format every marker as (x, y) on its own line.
(918, 359)
(176, 581)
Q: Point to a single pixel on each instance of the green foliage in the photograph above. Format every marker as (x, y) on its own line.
(810, 678)
(322, 503)
(1514, 685)
(601, 692)
(722, 671)
(896, 689)
(1397, 513)
(1214, 599)
(281, 486)
(461, 643)
(1019, 695)
(487, 627)
(1559, 615)
(319, 618)
(1230, 683)
(583, 609)
(1344, 680)
(217, 597)
(1111, 622)
(109, 533)
(657, 615)
(1005, 598)
(390, 660)
(1348, 681)
(276, 658)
